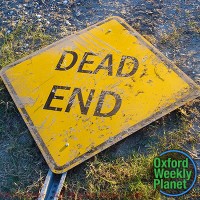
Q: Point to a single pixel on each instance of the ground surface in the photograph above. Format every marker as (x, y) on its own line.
(171, 26)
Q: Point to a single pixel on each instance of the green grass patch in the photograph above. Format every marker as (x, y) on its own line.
(22, 167)
(25, 39)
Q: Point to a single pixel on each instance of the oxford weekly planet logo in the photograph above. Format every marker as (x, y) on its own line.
(175, 173)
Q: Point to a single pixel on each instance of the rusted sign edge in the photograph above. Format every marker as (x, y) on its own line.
(194, 93)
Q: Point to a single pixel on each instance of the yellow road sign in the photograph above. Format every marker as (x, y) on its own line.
(87, 91)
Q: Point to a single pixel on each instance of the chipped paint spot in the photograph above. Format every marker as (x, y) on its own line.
(28, 101)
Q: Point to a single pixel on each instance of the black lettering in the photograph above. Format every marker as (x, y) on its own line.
(53, 96)
(86, 54)
(75, 57)
(121, 65)
(101, 65)
(101, 101)
(84, 108)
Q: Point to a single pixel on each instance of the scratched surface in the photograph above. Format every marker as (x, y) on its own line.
(67, 138)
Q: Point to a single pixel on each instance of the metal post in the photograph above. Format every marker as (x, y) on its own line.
(52, 186)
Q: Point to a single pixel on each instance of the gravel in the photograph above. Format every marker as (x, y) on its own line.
(151, 17)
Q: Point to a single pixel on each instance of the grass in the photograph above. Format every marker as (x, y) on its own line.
(109, 175)
(129, 178)
(22, 41)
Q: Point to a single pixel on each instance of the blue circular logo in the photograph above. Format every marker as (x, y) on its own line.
(175, 173)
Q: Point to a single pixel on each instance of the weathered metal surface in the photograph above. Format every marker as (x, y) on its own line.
(90, 90)
(52, 186)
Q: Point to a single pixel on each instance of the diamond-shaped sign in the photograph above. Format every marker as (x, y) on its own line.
(87, 91)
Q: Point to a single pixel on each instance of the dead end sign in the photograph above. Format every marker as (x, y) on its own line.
(90, 90)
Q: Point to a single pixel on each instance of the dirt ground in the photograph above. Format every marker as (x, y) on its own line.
(171, 26)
